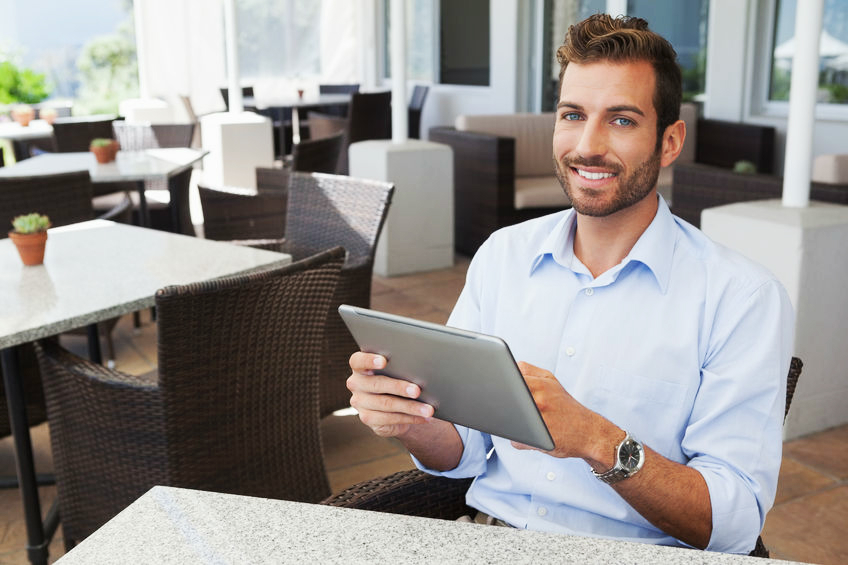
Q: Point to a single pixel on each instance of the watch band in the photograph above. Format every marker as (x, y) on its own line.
(619, 471)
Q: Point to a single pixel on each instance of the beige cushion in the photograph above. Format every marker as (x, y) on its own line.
(155, 199)
(539, 192)
(664, 182)
(533, 134)
(831, 169)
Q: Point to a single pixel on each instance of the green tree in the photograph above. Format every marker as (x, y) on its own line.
(21, 85)
(108, 72)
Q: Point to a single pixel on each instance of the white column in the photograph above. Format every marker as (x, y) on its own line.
(231, 30)
(802, 104)
(398, 45)
(617, 7)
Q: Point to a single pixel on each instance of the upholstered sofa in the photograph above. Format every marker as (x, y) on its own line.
(504, 171)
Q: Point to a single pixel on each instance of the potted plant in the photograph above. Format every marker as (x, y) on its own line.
(104, 149)
(30, 236)
(23, 114)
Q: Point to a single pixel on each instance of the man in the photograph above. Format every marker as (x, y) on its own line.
(657, 358)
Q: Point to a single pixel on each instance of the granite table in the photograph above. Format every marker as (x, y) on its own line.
(93, 271)
(129, 166)
(171, 525)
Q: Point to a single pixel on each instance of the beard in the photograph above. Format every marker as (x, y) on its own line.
(630, 189)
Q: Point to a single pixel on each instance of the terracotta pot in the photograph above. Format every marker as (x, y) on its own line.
(23, 115)
(30, 246)
(105, 153)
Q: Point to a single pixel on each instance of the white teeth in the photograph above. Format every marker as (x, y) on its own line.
(593, 176)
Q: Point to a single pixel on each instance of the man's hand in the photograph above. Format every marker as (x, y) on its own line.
(576, 430)
(389, 407)
(385, 405)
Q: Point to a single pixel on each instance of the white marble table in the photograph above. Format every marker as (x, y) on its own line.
(169, 525)
(93, 271)
(129, 166)
(37, 129)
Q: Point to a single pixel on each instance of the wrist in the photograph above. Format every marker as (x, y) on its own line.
(601, 455)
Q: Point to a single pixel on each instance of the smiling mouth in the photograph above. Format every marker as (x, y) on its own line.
(592, 175)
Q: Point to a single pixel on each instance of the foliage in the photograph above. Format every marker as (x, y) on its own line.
(30, 223)
(108, 72)
(101, 142)
(21, 85)
(838, 92)
(744, 167)
(694, 78)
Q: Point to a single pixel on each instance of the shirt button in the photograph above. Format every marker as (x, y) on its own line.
(590, 291)
(551, 475)
(542, 511)
(570, 351)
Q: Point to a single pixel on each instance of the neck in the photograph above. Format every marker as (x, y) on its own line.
(602, 242)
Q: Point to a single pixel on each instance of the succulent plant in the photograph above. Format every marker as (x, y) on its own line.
(31, 223)
(102, 142)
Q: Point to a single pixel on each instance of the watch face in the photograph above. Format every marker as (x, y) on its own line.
(629, 455)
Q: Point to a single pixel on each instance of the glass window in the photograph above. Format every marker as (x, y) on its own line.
(833, 52)
(421, 43)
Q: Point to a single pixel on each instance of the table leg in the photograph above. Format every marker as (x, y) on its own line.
(295, 126)
(142, 205)
(25, 466)
(94, 354)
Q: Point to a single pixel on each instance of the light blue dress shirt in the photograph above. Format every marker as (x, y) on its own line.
(685, 344)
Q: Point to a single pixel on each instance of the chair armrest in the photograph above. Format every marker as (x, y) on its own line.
(484, 184)
(412, 493)
(268, 244)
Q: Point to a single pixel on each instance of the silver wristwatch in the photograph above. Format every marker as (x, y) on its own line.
(629, 458)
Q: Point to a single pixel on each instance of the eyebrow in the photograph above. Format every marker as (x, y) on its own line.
(611, 109)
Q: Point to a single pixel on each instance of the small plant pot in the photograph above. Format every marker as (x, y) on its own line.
(23, 115)
(105, 153)
(30, 246)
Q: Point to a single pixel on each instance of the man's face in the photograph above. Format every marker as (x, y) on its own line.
(604, 142)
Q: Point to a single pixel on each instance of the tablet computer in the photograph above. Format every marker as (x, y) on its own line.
(471, 379)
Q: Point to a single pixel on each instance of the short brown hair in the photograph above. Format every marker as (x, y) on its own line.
(601, 37)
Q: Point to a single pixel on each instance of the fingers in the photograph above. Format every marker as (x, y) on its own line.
(366, 362)
(529, 370)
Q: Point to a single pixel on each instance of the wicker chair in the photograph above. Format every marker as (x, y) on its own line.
(416, 106)
(369, 117)
(75, 134)
(318, 155)
(234, 407)
(168, 202)
(415, 493)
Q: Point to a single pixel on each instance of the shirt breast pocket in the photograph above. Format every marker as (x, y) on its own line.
(652, 410)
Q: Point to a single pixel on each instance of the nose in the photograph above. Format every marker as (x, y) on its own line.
(593, 140)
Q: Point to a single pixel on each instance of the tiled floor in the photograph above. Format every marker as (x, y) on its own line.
(808, 522)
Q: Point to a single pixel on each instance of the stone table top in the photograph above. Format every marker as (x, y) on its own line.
(97, 270)
(169, 525)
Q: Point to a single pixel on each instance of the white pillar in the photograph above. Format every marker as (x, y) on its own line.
(802, 104)
(617, 7)
(398, 45)
(231, 30)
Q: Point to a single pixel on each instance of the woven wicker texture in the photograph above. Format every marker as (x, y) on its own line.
(318, 155)
(325, 211)
(234, 214)
(73, 134)
(234, 408)
(415, 493)
(64, 197)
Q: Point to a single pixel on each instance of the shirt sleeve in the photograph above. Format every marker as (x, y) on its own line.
(734, 436)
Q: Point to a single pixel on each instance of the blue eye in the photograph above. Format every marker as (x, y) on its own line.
(626, 122)
(571, 116)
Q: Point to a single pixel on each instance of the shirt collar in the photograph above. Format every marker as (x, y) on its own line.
(654, 248)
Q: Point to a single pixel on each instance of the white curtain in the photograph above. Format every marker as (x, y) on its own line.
(184, 54)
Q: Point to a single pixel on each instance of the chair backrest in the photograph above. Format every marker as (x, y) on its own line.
(318, 155)
(64, 197)
(795, 366)
(135, 137)
(234, 213)
(329, 210)
(369, 116)
(75, 134)
(273, 180)
(416, 105)
(239, 360)
(338, 88)
(225, 94)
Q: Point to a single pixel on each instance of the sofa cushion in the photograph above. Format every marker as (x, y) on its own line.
(539, 192)
(533, 134)
(689, 114)
(832, 169)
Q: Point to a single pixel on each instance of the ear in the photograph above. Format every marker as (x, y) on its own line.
(672, 143)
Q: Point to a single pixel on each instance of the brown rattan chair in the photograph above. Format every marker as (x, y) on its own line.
(416, 106)
(322, 211)
(233, 409)
(168, 202)
(318, 155)
(415, 493)
(75, 134)
(369, 116)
